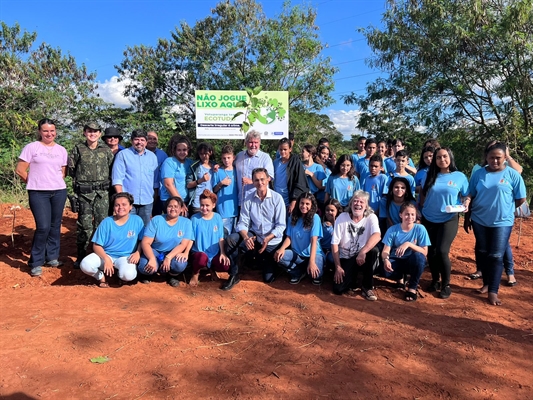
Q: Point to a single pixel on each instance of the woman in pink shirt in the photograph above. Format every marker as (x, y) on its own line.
(42, 166)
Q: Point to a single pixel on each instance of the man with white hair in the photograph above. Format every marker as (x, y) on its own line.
(248, 160)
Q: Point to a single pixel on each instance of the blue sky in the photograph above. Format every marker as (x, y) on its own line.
(96, 33)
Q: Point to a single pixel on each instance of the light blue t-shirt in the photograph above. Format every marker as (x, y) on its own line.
(228, 197)
(446, 191)
(321, 194)
(320, 175)
(327, 231)
(342, 189)
(409, 178)
(173, 168)
(494, 195)
(420, 176)
(301, 238)
(200, 172)
(167, 237)
(207, 234)
(119, 241)
(281, 185)
(395, 237)
(375, 186)
(362, 168)
(390, 164)
(393, 212)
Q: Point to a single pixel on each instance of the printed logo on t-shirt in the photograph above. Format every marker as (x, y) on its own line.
(215, 229)
(502, 181)
(452, 183)
(349, 187)
(131, 234)
(180, 234)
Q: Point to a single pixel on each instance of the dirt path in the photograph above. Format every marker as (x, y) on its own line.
(257, 341)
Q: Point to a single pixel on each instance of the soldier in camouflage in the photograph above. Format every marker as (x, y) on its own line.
(89, 165)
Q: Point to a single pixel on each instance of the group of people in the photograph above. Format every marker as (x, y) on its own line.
(372, 212)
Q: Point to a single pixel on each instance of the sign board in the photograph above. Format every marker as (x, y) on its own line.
(215, 110)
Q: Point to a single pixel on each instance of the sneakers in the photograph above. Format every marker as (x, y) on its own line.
(296, 279)
(36, 271)
(53, 263)
(445, 292)
(145, 279)
(77, 264)
(369, 294)
(173, 281)
(232, 281)
(317, 281)
(433, 287)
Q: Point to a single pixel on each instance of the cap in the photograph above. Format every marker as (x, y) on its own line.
(92, 125)
(112, 132)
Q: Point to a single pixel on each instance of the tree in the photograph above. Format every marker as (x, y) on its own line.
(234, 48)
(35, 83)
(455, 64)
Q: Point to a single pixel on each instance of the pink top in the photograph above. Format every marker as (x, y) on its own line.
(45, 166)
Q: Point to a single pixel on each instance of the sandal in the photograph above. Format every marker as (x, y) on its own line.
(103, 285)
(475, 275)
(410, 296)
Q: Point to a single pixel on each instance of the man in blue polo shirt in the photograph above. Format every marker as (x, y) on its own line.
(260, 228)
(135, 170)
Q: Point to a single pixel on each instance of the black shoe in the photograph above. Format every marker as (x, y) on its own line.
(296, 279)
(146, 279)
(317, 281)
(270, 279)
(232, 281)
(77, 264)
(173, 281)
(433, 287)
(445, 292)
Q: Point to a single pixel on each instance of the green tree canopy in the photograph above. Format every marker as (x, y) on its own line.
(234, 48)
(454, 64)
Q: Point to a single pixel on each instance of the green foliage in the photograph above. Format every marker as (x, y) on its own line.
(236, 47)
(36, 82)
(255, 105)
(454, 66)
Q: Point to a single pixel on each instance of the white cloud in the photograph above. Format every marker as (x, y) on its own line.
(345, 122)
(112, 91)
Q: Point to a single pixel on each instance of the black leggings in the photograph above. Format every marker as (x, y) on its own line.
(351, 270)
(441, 236)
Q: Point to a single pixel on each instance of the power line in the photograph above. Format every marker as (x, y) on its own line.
(355, 76)
(353, 16)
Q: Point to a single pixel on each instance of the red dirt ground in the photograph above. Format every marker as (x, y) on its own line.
(257, 341)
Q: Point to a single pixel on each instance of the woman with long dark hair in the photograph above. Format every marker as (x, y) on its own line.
(304, 231)
(445, 186)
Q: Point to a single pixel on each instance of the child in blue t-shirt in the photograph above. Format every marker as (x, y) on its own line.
(332, 209)
(225, 186)
(342, 183)
(303, 237)
(208, 251)
(401, 159)
(315, 172)
(405, 249)
(398, 192)
(375, 183)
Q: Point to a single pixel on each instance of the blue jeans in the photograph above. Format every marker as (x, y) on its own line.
(144, 211)
(296, 265)
(47, 209)
(491, 245)
(413, 265)
(176, 267)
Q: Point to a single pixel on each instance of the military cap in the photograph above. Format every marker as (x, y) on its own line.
(92, 125)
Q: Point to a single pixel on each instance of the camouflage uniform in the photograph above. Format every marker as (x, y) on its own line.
(90, 170)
